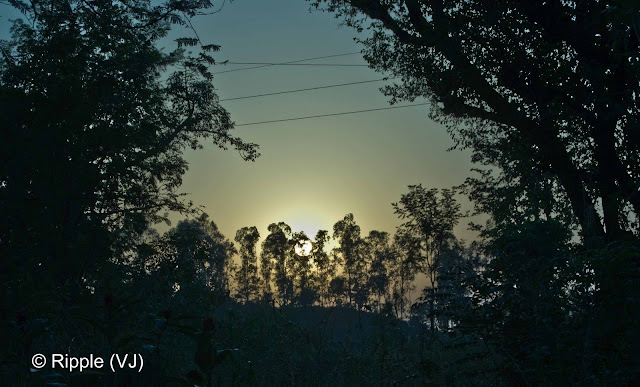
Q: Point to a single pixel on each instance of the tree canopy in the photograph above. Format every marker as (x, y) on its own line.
(95, 118)
(546, 91)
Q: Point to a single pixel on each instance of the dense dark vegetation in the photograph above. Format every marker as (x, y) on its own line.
(94, 120)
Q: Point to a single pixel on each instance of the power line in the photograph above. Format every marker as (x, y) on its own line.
(332, 114)
(300, 64)
(295, 61)
(310, 88)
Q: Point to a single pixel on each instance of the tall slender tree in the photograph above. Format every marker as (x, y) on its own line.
(325, 266)
(275, 253)
(247, 275)
(347, 232)
(380, 258)
(301, 267)
(403, 269)
(430, 217)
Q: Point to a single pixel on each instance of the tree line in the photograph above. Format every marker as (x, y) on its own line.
(375, 272)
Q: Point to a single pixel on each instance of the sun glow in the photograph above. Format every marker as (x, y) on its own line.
(303, 248)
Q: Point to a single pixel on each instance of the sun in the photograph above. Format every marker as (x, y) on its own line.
(303, 248)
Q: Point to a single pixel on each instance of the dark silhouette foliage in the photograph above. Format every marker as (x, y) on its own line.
(95, 118)
(546, 91)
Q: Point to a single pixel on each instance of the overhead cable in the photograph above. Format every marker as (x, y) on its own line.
(295, 61)
(331, 114)
(300, 64)
(307, 89)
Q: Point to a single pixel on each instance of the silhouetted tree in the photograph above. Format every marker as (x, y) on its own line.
(93, 131)
(338, 290)
(544, 93)
(380, 257)
(544, 89)
(452, 300)
(275, 253)
(151, 268)
(430, 217)
(192, 262)
(403, 268)
(347, 232)
(203, 254)
(326, 267)
(523, 303)
(301, 264)
(247, 275)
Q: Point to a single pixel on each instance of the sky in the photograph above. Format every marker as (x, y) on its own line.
(311, 172)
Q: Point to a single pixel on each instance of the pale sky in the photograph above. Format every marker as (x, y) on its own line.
(311, 172)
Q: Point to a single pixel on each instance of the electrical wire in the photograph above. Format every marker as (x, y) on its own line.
(295, 61)
(307, 89)
(300, 64)
(331, 114)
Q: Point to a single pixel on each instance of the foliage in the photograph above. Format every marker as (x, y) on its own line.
(404, 266)
(350, 248)
(301, 267)
(190, 261)
(326, 267)
(247, 274)
(274, 260)
(95, 118)
(544, 94)
(543, 91)
(430, 217)
(381, 256)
